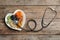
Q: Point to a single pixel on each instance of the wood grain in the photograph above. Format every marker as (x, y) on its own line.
(33, 9)
(29, 37)
(31, 12)
(30, 2)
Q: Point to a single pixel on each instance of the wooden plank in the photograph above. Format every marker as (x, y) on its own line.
(42, 2)
(12, 2)
(30, 11)
(29, 37)
(30, 2)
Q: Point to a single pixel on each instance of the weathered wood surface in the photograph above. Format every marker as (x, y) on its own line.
(34, 12)
(29, 37)
(30, 2)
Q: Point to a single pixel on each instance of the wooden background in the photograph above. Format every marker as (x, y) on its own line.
(33, 9)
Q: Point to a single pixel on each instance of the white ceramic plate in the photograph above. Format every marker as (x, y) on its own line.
(23, 22)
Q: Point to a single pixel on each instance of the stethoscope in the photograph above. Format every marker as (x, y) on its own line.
(35, 23)
(42, 22)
